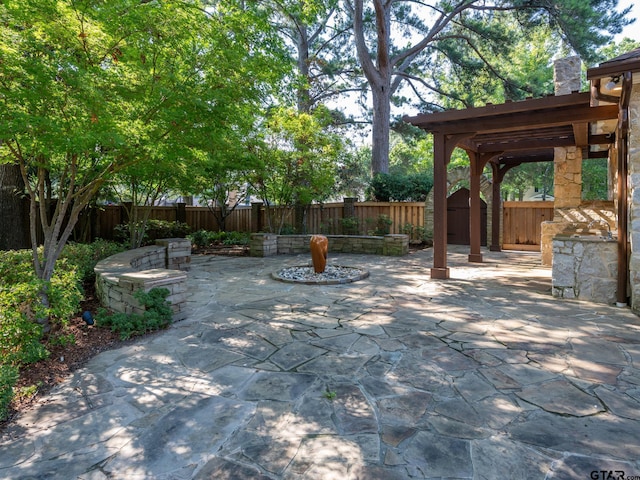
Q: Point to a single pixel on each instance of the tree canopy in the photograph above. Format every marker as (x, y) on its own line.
(419, 45)
(89, 89)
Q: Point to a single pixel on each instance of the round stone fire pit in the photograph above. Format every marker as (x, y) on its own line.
(332, 275)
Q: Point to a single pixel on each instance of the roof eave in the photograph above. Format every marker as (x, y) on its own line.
(614, 68)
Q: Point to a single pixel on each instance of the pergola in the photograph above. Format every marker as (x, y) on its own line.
(504, 136)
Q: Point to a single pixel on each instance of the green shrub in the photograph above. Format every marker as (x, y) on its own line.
(236, 238)
(380, 225)
(154, 230)
(156, 316)
(204, 238)
(386, 187)
(162, 229)
(418, 233)
(288, 229)
(85, 256)
(21, 336)
(20, 291)
(15, 266)
(200, 239)
(8, 378)
(350, 225)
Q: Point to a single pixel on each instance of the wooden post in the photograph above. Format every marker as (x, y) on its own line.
(349, 207)
(256, 217)
(440, 269)
(496, 208)
(181, 212)
(474, 209)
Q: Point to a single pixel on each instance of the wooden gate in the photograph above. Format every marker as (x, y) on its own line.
(458, 219)
(522, 222)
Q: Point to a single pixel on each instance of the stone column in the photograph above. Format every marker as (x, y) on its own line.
(567, 178)
(634, 196)
(567, 75)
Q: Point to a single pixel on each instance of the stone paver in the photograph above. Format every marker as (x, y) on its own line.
(397, 376)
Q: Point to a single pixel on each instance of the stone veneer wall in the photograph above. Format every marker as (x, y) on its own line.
(119, 276)
(634, 195)
(576, 220)
(567, 164)
(267, 244)
(585, 268)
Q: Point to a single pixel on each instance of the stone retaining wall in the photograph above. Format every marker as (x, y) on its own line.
(267, 244)
(585, 267)
(163, 265)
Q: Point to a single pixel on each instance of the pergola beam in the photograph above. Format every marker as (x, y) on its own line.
(507, 135)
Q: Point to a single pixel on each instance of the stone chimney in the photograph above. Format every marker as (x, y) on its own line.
(567, 186)
(567, 163)
(567, 75)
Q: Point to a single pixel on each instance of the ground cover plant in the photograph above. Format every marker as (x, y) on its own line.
(149, 231)
(157, 315)
(24, 341)
(204, 240)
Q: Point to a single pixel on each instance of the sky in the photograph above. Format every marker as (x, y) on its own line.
(633, 30)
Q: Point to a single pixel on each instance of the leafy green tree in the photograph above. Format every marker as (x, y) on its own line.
(612, 50)
(595, 180)
(398, 40)
(518, 180)
(317, 34)
(137, 189)
(228, 188)
(298, 162)
(352, 173)
(89, 89)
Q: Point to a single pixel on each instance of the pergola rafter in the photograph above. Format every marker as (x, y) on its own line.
(504, 136)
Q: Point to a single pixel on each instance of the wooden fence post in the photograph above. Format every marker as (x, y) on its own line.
(181, 212)
(349, 207)
(256, 217)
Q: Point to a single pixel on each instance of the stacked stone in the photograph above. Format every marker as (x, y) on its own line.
(178, 253)
(585, 267)
(144, 258)
(173, 280)
(293, 244)
(567, 178)
(355, 244)
(119, 276)
(263, 244)
(396, 245)
(634, 194)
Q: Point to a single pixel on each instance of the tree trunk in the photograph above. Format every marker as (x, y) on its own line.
(303, 94)
(13, 212)
(378, 76)
(380, 129)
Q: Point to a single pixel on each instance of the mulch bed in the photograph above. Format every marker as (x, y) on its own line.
(63, 359)
(227, 250)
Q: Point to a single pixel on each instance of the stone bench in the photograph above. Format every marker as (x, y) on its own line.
(162, 265)
(267, 244)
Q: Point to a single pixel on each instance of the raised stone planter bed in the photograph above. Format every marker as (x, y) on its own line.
(267, 244)
(163, 265)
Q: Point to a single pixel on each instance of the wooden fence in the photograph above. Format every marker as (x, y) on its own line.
(522, 221)
(358, 218)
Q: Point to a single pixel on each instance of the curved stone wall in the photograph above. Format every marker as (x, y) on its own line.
(119, 276)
